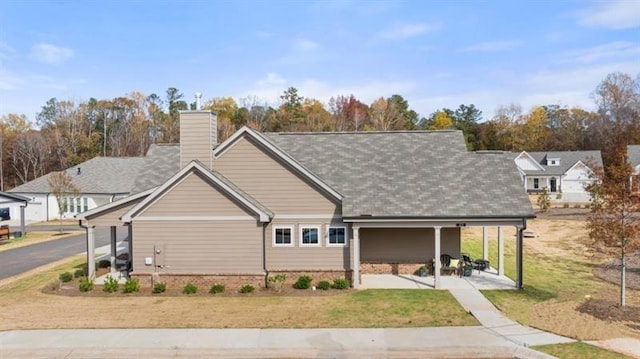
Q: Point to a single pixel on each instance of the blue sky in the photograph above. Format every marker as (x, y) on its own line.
(434, 53)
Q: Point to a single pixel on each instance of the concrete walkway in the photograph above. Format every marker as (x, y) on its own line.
(626, 346)
(447, 342)
(492, 319)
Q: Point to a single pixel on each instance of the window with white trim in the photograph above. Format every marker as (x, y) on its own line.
(536, 183)
(309, 236)
(283, 236)
(337, 236)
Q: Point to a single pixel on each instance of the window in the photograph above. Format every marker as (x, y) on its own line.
(78, 207)
(553, 162)
(337, 236)
(309, 235)
(536, 183)
(283, 235)
(85, 204)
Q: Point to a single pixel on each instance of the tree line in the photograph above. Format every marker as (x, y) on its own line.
(65, 133)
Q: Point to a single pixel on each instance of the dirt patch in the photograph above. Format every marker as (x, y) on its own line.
(610, 311)
(610, 271)
(575, 214)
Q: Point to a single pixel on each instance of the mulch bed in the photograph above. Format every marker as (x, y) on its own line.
(609, 310)
(610, 271)
(70, 289)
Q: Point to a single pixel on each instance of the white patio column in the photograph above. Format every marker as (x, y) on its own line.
(114, 251)
(23, 231)
(356, 257)
(500, 251)
(485, 243)
(91, 260)
(436, 265)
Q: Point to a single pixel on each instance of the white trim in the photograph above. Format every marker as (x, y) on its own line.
(531, 159)
(110, 205)
(183, 174)
(346, 236)
(195, 218)
(317, 227)
(306, 216)
(428, 223)
(575, 164)
(223, 147)
(273, 235)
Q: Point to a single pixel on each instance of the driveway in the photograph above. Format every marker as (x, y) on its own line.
(22, 259)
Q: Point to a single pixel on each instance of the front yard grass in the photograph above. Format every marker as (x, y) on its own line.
(557, 278)
(578, 350)
(25, 306)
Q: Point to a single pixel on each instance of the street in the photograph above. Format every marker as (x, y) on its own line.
(22, 259)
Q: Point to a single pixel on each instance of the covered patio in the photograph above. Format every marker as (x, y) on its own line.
(480, 280)
(494, 278)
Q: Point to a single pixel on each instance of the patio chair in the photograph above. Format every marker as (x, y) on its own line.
(449, 265)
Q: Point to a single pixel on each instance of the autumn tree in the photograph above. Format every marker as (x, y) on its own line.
(62, 187)
(348, 113)
(385, 115)
(439, 120)
(226, 109)
(614, 220)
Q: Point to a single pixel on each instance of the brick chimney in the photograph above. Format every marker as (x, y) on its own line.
(198, 135)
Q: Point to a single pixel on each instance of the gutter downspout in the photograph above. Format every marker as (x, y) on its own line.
(519, 252)
(264, 253)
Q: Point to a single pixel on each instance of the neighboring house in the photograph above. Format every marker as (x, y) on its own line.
(327, 204)
(100, 180)
(563, 173)
(12, 206)
(633, 157)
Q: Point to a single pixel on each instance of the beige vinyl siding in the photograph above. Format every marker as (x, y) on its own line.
(296, 257)
(406, 245)
(112, 216)
(197, 137)
(194, 196)
(271, 182)
(204, 247)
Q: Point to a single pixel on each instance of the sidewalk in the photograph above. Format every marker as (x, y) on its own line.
(492, 319)
(446, 342)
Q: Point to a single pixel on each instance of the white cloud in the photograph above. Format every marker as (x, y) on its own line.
(616, 14)
(271, 87)
(50, 54)
(306, 44)
(616, 49)
(406, 30)
(492, 46)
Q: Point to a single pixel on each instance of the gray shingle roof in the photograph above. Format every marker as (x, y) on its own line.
(108, 175)
(410, 174)
(161, 162)
(633, 154)
(567, 160)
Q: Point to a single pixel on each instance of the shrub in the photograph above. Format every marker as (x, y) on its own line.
(131, 285)
(276, 282)
(324, 285)
(78, 273)
(53, 286)
(110, 284)
(190, 289)
(66, 277)
(247, 288)
(85, 284)
(341, 283)
(303, 282)
(544, 202)
(217, 288)
(159, 288)
(104, 264)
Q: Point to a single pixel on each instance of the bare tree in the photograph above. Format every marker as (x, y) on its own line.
(62, 187)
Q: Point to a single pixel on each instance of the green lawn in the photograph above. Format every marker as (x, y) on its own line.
(578, 350)
(25, 306)
(544, 278)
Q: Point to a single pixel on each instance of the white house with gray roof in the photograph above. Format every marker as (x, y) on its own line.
(325, 204)
(563, 173)
(100, 180)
